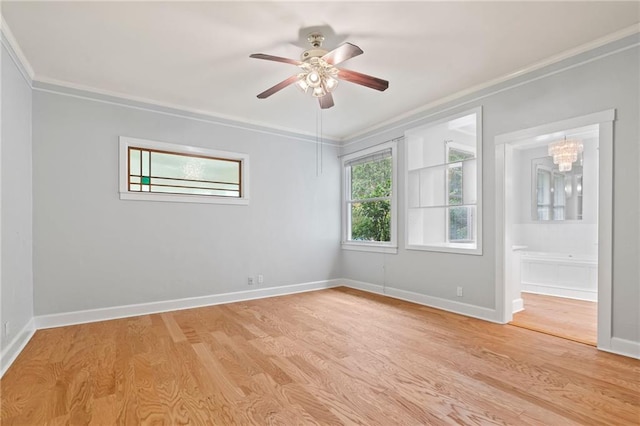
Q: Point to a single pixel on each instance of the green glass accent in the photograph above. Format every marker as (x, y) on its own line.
(146, 180)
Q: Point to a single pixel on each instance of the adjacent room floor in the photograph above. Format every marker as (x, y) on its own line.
(337, 356)
(571, 319)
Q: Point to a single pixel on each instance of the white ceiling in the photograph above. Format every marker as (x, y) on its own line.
(195, 55)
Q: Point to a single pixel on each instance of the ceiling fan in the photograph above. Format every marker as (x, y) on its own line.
(319, 72)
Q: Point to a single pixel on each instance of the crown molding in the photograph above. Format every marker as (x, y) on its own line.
(9, 40)
(567, 54)
(66, 88)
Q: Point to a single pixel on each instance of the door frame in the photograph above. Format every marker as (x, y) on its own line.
(504, 144)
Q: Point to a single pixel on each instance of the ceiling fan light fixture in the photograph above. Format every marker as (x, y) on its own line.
(319, 91)
(330, 83)
(302, 82)
(314, 79)
(319, 72)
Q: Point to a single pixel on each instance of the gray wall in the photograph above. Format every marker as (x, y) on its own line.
(94, 250)
(544, 96)
(16, 265)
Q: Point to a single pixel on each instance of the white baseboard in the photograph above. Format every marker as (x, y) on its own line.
(104, 314)
(517, 305)
(431, 301)
(361, 285)
(623, 347)
(11, 352)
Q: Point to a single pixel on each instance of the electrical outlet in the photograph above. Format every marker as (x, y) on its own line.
(260, 279)
(459, 292)
(250, 280)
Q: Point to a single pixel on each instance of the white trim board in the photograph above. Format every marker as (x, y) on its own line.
(9, 40)
(116, 312)
(11, 352)
(16, 346)
(416, 115)
(504, 145)
(453, 306)
(623, 347)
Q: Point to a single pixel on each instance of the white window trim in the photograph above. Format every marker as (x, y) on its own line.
(125, 194)
(390, 247)
(459, 248)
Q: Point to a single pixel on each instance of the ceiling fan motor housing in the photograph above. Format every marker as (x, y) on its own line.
(312, 53)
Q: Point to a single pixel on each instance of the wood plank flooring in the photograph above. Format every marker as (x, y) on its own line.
(567, 318)
(330, 357)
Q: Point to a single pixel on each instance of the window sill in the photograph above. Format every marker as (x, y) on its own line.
(179, 198)
(459, 248)
(374, 248)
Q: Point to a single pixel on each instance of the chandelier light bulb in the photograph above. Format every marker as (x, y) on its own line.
(319, 76)
(313, 78)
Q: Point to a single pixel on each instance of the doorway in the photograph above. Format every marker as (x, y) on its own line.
(555, 232)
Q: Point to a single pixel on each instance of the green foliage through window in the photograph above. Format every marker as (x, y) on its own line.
(371, 200)
(460, 218)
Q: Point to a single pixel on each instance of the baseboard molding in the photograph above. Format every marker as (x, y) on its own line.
(623, 347)
(11, 352)
(517, 305)
(361, 285)
(431, 301)
(105, 314)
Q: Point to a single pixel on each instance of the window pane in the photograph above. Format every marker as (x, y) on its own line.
(371, 179)
(134, 161)
(461, 220)
(371, 221)
(183, 174)
(455, 183)
(459, 155)
(544, 187)
(194, 168)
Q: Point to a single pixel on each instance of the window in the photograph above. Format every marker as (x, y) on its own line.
(443, 185)
(550, 198)
(460, 228)
(158, 171)
(556, 195)
(369, 207)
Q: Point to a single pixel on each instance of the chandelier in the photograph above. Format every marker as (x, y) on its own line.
(565, 153)
(318, 76)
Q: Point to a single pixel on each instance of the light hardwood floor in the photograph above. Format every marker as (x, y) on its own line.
(567, 318)
(336, 356)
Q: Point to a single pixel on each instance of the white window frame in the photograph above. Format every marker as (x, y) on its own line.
(125, 194)
(449, 247)
(371, 246)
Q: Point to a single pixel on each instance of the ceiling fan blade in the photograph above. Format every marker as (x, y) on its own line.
(326, 101)
(342, 53)
(275, 58)
(278, 87)
(363, 79)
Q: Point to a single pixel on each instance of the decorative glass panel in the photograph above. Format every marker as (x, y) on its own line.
(174, 173)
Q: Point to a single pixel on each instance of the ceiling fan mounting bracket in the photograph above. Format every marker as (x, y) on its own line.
(315, 39)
